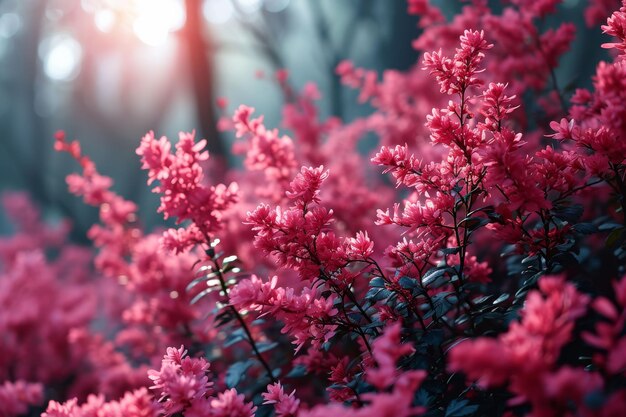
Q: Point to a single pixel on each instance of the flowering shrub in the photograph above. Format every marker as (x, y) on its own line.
(492, 281)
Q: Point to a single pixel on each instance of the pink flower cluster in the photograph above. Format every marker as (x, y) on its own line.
(286, 405)
(267, 152)
(616, 26)
(525, 357)
(147, 290)
(304, 315)
(184, 388)
(15, 398)
(133, 404)
(184, 195)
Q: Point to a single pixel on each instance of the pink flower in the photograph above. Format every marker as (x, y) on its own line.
(285, 405)
(305, 187)
(386, 350)
(16, 397)
(133, 404)
(361, 246)
(182, 239)
(404, 167)
(181, 380)
(253, 293)
(539, 8)
(428, 13)
(525, 355)
(616, 27)
(496, 106)
(231, 404)
(456, 74)
(184, 194)
(563, 129)
(67, 409)
(597, 11)
(265, 150)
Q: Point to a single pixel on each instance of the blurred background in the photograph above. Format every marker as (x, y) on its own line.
(108, 71)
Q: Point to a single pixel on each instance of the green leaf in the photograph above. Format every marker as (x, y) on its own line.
(473, 223)
(406, 282)
(234, 338)
(372, 293)
(382, 294)
(565, 259)
(609, 226)
(200, 279)
(451, 251)
(458, 408)
(433, 337)
(377, 282)
(229, 259)
(373, 325)
(566, 246)
(298, 371)
(442, 303)
(226, 268)
(225, 317)
(501, 299)
(202, 294)
(570, 214)
(432, 275)
(614, 238)
(236, 372)
(482, 299)
(265, 346)
(529, 259)
(586, 228)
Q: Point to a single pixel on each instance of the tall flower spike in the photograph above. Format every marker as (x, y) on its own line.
(616, 26)
(454, 75)
(265, 150)
(183, 189)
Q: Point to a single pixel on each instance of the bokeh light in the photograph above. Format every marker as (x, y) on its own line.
(248, 6)
(104, 20)
(10, 24)
(61, 55)
(218, 11)
(151, 21)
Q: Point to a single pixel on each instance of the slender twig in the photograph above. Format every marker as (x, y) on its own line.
(621, 186)
(220, 276)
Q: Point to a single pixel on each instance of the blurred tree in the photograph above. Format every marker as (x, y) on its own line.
(126, 78)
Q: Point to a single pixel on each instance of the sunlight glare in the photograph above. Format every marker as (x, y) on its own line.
(156, 19)
(104, 20)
